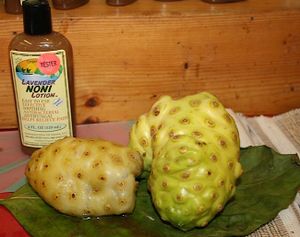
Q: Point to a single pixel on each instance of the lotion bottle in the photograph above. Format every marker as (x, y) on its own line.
(68, 4)
(42, 75)
(221, 1)
(119, 2)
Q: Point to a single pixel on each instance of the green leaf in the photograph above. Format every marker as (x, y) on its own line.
(38, 71)
(18, 68)
(268, 185)
(60, 69)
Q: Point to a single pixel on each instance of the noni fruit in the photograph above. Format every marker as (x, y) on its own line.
(85, 177)
(191, 146)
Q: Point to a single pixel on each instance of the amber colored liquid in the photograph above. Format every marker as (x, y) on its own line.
(168, 0)
(221, 1)
(50, 42)
(119, 2)
(68, 4)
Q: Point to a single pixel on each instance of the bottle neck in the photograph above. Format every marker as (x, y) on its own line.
(37, 17)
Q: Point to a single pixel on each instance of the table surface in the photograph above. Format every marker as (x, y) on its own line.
(281, 133)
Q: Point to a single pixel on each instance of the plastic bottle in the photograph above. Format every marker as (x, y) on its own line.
(42, 74)
(13, 6)
(119, 2)
(68, 4)
(221, 1)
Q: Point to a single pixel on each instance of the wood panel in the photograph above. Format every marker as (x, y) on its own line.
(246, 53)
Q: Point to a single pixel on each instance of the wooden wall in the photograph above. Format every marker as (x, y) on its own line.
(246, 53)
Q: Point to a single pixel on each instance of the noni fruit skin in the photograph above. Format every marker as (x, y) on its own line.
(192, 148)
(85, 177)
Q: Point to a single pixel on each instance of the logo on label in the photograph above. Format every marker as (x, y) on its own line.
(44, 68)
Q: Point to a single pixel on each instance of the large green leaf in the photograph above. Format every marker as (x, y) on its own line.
(268, 185)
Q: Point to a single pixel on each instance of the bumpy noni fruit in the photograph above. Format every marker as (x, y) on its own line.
(85, 177)
(191, 146)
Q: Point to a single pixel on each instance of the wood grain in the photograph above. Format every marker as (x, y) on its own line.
(246, 53)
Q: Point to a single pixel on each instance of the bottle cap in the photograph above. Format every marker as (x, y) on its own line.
(37, 17)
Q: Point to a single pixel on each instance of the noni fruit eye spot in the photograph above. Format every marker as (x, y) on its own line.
(193, 158)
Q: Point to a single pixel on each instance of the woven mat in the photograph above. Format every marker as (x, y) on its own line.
(282, 133)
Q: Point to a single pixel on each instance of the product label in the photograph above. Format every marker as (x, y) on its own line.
(42, 96)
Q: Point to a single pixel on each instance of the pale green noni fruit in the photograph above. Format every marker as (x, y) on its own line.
(191, 146)
(85, 177)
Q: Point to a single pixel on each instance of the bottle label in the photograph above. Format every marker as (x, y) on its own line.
(42, 96)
